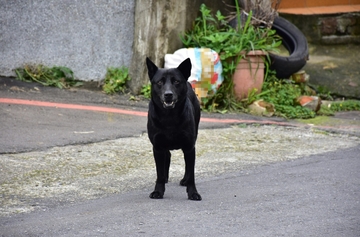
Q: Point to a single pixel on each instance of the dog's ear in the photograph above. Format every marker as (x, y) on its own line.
(152, 68)
(185, 68)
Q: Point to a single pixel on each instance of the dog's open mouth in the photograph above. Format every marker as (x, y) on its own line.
(169, 105)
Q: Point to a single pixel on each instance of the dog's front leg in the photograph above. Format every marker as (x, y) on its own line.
(189, 177)
(162, 161)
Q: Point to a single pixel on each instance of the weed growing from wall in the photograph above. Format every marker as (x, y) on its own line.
(146, 91)
(115, 80)
(61, 77)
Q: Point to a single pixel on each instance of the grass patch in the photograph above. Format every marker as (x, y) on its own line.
(345, 105)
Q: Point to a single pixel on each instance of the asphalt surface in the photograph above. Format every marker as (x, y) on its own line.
(312, 195)
(26, 126)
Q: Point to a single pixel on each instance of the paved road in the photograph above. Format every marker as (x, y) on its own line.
(29, 127)
(34, 117)
(313, 196)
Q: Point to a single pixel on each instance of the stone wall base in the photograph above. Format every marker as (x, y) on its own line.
(342, 28)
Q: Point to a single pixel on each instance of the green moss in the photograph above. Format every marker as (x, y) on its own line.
(319, 120)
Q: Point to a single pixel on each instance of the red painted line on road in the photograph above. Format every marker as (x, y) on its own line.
(144, 114)
(132, 112)
(71, 106)
(127, 112)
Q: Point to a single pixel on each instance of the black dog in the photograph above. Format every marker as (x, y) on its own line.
(173, 120)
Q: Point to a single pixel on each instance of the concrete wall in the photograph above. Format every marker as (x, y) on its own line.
(86, 36)
(89, 36)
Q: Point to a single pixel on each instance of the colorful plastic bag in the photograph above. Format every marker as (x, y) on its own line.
(206, 72)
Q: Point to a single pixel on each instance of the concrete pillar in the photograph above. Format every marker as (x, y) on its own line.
(157, 28)
(158, 25)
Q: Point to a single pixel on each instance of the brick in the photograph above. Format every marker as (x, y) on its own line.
(328, 26)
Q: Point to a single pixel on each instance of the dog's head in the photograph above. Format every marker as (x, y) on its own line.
(169, 86)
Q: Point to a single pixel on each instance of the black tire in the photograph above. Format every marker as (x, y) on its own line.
(295, 42)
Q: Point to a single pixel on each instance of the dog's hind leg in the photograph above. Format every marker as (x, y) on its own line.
(189, 177)
(162, 161)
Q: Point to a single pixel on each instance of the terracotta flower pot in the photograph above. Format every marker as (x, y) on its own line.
(249, 74)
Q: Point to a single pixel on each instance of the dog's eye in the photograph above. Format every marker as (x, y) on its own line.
(176, 82)
(160, 83)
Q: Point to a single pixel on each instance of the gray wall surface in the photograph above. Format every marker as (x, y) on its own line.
(86, 36)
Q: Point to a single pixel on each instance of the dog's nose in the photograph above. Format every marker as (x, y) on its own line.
(168, 94)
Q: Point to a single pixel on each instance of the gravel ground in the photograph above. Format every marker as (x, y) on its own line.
(36, 180)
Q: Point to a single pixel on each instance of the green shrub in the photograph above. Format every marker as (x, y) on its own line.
(283, 94)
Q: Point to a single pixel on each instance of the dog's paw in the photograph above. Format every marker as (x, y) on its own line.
(194, 196)
(184, 182)
(156, 195)
(193, 193)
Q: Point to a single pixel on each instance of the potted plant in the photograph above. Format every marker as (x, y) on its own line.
(234, 45)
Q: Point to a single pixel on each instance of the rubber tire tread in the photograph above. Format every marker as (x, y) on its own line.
(295, 42)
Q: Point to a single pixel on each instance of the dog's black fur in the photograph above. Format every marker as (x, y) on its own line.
(173, 120)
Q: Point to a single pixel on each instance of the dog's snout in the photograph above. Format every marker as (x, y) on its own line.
(168, 94)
